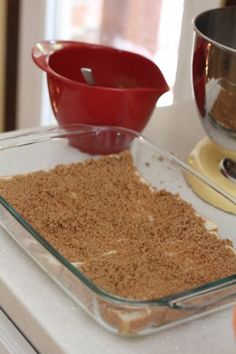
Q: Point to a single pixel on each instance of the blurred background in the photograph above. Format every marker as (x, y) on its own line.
(158, 29)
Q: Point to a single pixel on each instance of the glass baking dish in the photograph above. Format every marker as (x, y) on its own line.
(46, 148)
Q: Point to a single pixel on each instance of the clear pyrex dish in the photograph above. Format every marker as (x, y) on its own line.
(47, 148)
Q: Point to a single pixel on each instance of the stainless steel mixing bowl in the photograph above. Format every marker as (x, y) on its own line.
(214, 80)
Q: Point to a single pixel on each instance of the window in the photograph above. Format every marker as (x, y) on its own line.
(159, 29)
(149, 27)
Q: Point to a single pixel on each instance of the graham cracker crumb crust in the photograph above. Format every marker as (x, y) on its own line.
(131, 240)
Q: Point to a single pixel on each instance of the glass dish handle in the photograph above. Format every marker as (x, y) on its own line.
(207, 297)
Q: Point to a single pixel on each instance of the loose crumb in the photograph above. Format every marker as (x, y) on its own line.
(131, 240)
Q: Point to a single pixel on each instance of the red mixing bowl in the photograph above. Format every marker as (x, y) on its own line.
(127, 85)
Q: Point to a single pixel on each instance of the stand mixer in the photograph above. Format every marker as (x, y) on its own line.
(214, 85)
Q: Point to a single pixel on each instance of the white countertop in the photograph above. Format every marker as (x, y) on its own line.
(11, 340)
(56, 325)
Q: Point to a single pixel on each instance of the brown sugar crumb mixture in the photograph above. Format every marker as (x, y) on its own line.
(131, 240)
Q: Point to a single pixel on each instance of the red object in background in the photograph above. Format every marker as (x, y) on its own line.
(127, 87)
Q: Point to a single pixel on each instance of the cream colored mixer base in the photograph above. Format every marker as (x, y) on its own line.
(205, 159)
